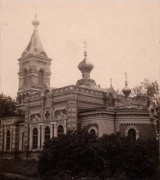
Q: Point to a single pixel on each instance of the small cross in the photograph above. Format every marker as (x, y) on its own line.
(126, 78)
(85, 45)
(125, 75)
(111, 82)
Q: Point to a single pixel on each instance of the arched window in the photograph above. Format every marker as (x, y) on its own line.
(47, 134)
(35, 138)
(132, 134)
(22, 140)
(3, 140)
(8, 140)
(20, 99)
(25, 78)
(60, 130)
(40, 77)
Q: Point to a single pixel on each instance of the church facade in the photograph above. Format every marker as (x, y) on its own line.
(44, 112)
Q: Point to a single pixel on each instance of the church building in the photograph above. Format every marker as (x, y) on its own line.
(44, 112)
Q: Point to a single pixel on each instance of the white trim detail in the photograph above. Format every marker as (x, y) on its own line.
(94, 128)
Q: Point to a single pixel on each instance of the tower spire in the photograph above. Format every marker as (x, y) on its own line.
(34, 46)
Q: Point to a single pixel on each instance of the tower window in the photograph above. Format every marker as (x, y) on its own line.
(25, 78)
(35, 138)
(8, 140)
(47, 134)
(40, 77)
(60, 130)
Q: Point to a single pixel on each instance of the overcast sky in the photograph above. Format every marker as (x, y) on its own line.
(122, 35)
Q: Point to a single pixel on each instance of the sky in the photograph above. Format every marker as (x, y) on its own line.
(122, 36)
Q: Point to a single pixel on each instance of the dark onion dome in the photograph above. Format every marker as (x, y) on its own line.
(126, 90)
(85, 66)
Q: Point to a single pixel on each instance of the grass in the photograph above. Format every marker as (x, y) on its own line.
(21, 167)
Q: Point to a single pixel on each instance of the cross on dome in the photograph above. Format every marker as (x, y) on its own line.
(110, 82)
(35, 21)
(125, 74)
(85, 47)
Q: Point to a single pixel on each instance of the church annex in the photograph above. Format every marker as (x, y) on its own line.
(44, 112)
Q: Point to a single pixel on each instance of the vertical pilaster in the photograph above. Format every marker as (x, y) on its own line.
(1, 139)
(12, 143)
(65, 128)
(51, 131)
(55, 130)
(20, 140)
(39, 137)
(42, 135)
(72, 115)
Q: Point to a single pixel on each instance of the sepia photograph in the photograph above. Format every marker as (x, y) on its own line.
(79, 89)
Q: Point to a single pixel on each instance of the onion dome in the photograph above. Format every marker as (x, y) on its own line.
(85, 67)
(126, 90)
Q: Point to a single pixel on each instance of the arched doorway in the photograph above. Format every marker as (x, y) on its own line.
(92, 131)
(132, 134)
(60, 130)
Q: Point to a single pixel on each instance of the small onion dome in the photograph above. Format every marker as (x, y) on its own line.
(35, 21)
(126, 91)
(85, 66)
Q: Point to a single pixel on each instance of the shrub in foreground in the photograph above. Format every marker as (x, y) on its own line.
(81, 154)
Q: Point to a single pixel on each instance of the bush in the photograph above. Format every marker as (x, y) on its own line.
(110, 156)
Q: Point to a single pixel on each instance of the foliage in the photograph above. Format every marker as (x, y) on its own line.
(7, 105)
(134, 159)
(81, 154)
(150, 91)
(72, 153)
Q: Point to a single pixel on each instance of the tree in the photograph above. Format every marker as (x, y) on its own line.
(150, 91)
(7, 105)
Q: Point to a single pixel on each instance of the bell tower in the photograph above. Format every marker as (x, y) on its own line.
(34, 65)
